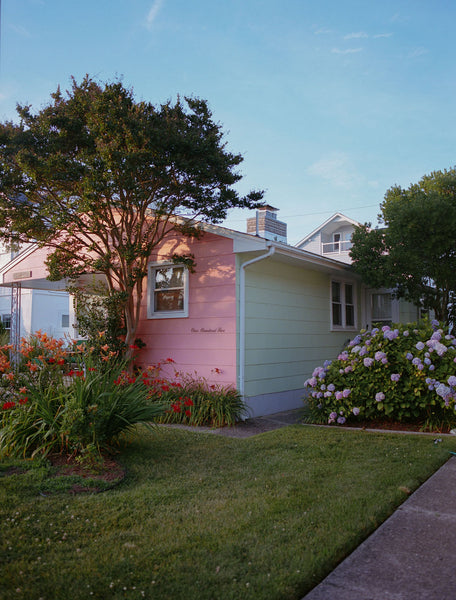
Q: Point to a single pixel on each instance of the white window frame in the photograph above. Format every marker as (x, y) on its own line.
(170, 314)
(343, 326)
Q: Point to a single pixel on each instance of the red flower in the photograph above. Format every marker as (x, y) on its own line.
(8, 405)
(134, 347)
(92, 369)
(188, 402)
(61, 361)
(165, 388)
(23, 400)
(169, 360)
(176, 407)
(188, 413)
(51, 361)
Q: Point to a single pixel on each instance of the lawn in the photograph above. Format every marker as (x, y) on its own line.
(200, 516)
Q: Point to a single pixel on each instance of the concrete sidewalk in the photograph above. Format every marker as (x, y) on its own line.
(412, 556)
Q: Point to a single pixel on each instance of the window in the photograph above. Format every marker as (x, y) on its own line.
(342, 305)
(6, 321)
(336, 242)
(382, 309)
(65, 320)
(168, 291)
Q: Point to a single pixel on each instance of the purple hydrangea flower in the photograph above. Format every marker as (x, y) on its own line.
(440, 349)
(436, 336)
(386, 328)
(355, 411)
(443, 391)
(331, 387)
(343, 355)
(395, 376)
(384, 361)
(434, 323)
(368, 362)
(409, 356)
(332, 417)
(379, 397)
(379, 355)
(452, 381)
(416, 361)
(391, 335)
(348, 369)
(339, 395)
(312, 382)
(346, 393)
(419, 346)
(341, 420)
(406, 333)
(363, 351)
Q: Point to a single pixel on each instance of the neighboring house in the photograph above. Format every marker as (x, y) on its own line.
(256, 313)
(46, 309)
(333, 240)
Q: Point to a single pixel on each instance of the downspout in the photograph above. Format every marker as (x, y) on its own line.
(269, 253)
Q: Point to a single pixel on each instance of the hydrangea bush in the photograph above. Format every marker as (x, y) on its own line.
(404, 373)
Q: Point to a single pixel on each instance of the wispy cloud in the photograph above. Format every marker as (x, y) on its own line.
(322, 31)
(382, 35)
(346, 50)
(417, 52)
(20, 30)
(153, 12)
(356, 36)
(336, 169)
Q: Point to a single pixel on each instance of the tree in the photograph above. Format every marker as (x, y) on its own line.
(102, 179)
(415, 252)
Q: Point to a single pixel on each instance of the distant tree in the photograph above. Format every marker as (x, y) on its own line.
(101, 179)
(415, 251)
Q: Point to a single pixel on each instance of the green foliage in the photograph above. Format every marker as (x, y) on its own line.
(405, 374)
(100, 319)
(62, 400)
(102, 179)
(191, 399)
(415, 252)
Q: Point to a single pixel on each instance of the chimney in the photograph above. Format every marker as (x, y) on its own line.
(265, 224)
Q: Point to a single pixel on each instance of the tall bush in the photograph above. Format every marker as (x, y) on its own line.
(400, 373)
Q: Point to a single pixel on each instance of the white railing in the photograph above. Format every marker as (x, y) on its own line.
(336, 247)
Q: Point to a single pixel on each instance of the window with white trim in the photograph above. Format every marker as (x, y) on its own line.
(167, 291)
(343, 313)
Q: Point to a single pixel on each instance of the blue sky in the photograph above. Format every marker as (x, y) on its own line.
(331, 102)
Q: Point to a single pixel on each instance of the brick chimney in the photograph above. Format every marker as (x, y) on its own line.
(265, 224)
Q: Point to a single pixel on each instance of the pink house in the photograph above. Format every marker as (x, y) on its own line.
(256, 313)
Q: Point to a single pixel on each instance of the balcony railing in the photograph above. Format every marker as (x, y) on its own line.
(336, 247)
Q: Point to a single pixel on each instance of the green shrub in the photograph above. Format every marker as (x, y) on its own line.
(57, 401)
(191, 399)
(400, 373)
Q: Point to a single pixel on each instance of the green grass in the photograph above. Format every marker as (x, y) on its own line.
(200, 516)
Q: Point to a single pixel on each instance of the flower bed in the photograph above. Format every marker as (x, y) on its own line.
(402, 373)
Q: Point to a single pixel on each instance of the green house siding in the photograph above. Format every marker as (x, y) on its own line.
(287, 328)
(408, 312)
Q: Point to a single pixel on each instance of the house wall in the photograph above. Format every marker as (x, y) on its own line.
(408, 312)
(206, 339)
(39, 310)
(287, 333)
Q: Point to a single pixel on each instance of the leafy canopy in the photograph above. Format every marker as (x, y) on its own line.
(415, 252)
(101, 179)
